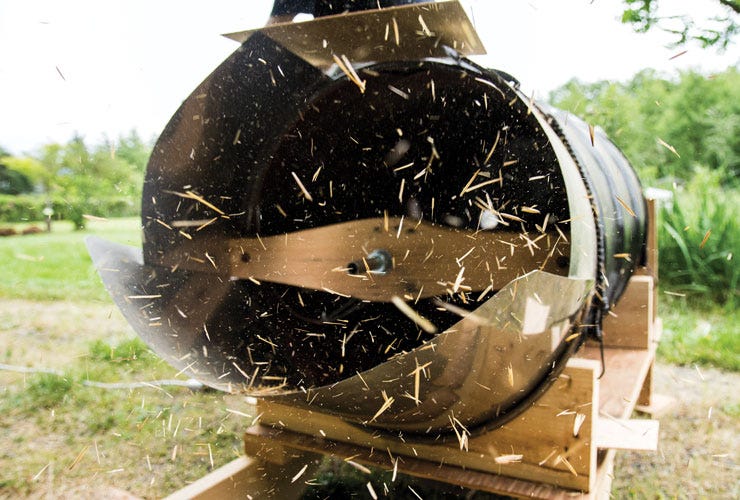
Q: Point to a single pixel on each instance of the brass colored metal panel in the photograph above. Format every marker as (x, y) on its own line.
(401, 33)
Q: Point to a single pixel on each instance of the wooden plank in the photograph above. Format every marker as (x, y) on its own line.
(646, 391)
(411, 466)
(245, 478)
(646, 397)
(650, 266)
(659, 405)
(651, 247)
(626, 434)
(544, 435)
(630, 324)
(622, 381)
(603, 488)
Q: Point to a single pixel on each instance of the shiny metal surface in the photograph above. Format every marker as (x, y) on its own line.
(410, 245)
(391, 34)
(482, 365)
(335, 258)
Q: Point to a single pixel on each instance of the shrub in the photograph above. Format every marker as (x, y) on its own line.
(25, 208)
(699, 236)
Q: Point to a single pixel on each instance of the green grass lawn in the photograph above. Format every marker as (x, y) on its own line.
(56, 266)
(702, 334)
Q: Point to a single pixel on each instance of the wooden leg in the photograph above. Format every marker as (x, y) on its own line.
(646, 393)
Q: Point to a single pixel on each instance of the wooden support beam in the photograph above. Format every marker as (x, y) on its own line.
(554, 437)
(626, 434)
(630, 324)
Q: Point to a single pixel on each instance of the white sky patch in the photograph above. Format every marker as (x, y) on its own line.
(129, 65)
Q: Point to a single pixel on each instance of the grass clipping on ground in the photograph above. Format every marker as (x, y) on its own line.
(60, 437)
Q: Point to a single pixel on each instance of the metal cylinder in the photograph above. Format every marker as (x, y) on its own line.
(485, 236)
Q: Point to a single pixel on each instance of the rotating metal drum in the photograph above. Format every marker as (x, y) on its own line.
(402, 239)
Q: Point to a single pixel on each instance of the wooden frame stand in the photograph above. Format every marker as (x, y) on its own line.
(562, 447)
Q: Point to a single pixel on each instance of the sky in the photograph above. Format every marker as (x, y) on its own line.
(101, 69)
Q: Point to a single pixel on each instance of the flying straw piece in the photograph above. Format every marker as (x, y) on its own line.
(492, 85)
(706, 238)
(482, 184)
(577, 423)
(192, 196)
(493, 148)
(387, 402)
(626, 207)
(207, 223)
(359, 467)
(668, 147)
(94, 218)
(79, 457)
(348, 70)
(424, 27)
(465, 189)
(399, 92)
(421, 321)
(458, 280)
(508, 459)
(460, 259)
(300, 473)
(303, 188)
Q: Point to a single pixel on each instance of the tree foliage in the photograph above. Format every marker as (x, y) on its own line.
(12, 181)
(683, 135)
(85, 176)
(696, 115)
(717, 31)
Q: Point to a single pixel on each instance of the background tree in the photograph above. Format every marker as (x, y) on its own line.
(717, 31)
(77, 179)
(697, 116)
(682, 135)
(12, 181)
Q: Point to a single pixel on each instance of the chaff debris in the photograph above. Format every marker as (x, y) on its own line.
(421, 321)
(508, 459)
(348, 70)
(305, 192)
(668, 147)
(387, 402)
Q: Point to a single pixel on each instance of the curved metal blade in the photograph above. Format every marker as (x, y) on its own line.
(406, 32)
(168, 310)
(475, 370)
(318, 258)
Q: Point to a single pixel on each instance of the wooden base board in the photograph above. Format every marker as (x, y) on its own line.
(247, 478)
(660, 404)
(541, 435)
